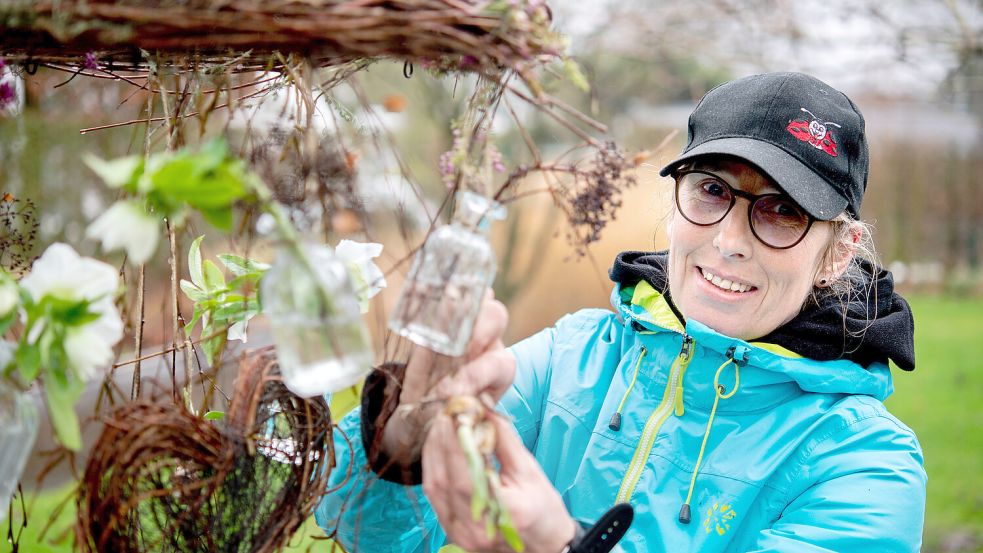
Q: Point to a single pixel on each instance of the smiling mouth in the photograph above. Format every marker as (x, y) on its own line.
(725, 284)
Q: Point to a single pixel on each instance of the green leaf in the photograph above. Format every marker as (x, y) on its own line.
(229, 313)
(61, 398)
(214, 415)
(28, 360)
(241, 266)
(214, 279)
(194, 262)
(247, 281)
(5, 322)
(236, 311)
(116, 173)
(188, 328)
(207, 180)
(213, 153)
(220, 218)
(194, 293)
(226, 184)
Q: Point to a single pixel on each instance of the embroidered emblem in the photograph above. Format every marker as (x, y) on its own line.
(814, 132)
(718, 518)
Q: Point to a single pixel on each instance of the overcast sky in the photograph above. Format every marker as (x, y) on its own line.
(841, 41)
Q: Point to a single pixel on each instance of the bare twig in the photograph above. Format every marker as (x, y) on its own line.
(569, 126)
(138, 335)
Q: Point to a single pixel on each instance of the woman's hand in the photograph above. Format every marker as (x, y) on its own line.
(488, 368)
(536, 509)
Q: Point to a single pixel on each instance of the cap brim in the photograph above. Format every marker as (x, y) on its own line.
(808, 189)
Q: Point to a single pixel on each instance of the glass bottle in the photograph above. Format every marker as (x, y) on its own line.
(17, 433)
(443, 291)
(322, 344)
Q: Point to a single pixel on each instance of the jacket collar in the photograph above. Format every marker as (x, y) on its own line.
(769, 372)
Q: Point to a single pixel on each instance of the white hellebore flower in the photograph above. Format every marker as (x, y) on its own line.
(9, 294)
(62, 273)
(237, 330)
(125, 225)
(367, 278)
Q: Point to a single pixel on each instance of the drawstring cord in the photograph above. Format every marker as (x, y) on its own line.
(615, 423)
(719, 393)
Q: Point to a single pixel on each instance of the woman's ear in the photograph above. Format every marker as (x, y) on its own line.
(842, 253)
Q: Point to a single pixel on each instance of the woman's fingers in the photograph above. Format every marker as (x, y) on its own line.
(491, 372)
(515, 460)
(435, 476)
(488, 327)
(447, 483)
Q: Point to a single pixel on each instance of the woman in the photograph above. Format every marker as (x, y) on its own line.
(733, 397)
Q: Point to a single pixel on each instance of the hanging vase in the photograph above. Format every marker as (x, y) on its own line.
(443, 291)
(322, 344)
(18, 429)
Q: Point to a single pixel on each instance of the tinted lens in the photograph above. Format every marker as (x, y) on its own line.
(701, 198)
(778, 221)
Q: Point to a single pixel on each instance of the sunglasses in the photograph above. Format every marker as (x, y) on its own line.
(704, 199)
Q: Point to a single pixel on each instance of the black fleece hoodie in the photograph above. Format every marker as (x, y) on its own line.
(880, 330)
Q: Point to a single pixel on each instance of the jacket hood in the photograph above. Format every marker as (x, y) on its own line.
(874, 331)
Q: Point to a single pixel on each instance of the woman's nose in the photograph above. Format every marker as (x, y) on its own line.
(734, 238)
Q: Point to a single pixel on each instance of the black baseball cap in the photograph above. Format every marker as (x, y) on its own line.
(802, 133)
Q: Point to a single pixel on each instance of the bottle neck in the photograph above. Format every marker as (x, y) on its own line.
(476, 212)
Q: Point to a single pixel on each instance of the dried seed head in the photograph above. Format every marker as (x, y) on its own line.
(596, 196)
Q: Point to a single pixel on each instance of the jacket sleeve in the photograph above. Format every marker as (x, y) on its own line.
(865, 492)
(366, 513)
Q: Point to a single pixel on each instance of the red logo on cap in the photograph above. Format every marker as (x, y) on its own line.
(814, 132)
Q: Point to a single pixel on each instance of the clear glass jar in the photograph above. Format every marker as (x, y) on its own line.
(18, 429)
(442, 293)
(321, 340)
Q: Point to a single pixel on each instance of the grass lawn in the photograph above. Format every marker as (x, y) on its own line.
(942, 401)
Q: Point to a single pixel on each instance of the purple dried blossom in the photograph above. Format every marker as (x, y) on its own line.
(447, 169)
(496, 161)
(468, 60)
(91, 61)
(7, 94)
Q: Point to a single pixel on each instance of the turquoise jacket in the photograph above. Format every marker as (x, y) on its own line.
(783, 454)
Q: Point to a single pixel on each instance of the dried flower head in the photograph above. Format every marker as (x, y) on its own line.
(594, 199)
(313, 178)
(90, 61)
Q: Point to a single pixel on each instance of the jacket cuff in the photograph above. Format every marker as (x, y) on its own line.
(380, 398)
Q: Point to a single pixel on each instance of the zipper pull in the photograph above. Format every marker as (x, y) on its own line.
(687, 347)
(684, 354)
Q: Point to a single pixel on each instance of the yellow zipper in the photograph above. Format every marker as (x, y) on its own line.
(655, 421)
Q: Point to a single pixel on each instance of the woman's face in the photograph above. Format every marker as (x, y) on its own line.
(775, 283)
